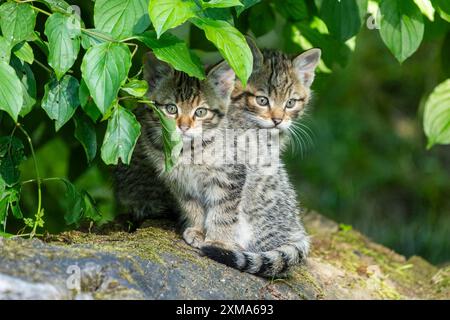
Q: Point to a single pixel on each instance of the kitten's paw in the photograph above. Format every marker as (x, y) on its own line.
(194, 237)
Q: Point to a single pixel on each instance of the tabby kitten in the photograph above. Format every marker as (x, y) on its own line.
(199, 109)
(258, 229)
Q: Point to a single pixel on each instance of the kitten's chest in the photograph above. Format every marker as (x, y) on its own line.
(192, 180)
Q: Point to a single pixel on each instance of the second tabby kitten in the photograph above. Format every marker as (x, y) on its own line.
(259, 230)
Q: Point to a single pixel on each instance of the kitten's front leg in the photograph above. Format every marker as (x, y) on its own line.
(221, 222)
(194, 216)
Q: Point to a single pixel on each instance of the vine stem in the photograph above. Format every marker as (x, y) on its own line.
(40, 10)
(42, 180)
(43, 66)
(38, 179)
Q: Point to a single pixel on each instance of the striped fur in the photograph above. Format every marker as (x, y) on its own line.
(268, 208)
(236, 214)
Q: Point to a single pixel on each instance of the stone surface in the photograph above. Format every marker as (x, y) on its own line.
(154, 263)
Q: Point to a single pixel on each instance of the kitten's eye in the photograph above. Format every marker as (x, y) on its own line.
(201, 112)
(291, 103)
(171, 109)
(262, 101)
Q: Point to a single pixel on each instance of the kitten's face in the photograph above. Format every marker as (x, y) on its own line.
(279, 88)
(181, 98)
(198, 107)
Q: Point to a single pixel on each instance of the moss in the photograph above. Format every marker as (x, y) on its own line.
(343, 264)
(151, 242)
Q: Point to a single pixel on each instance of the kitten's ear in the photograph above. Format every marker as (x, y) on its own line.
(221, 78)
(305, 64)
(258, 57)
(155, 70)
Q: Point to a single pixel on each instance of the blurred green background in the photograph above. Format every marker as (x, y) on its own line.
(368, 166)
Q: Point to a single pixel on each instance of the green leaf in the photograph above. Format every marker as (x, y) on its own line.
(137, 88)
(11, 155)
(40, 43)
(436, 119)
(24, 52)
(172, 142)
(443, 7)
(293, 9)
(231, 44)
(221, 3)
(63, 33)
(61, 99)
(87, 103)
(168, 14)
(17, 21)
(121, 136)
(308, 37)
(75, 205)
(3, 207)
(28, 82)
(58, 6)
(426, 8)
(93, 37)
(224, 14)
(402, 27)
(14, 202)
(11, 92)
(175, 52)
(5, 50)
(105, 68)
(246, 4)
(86, 135)
(262, 12)
(91, 211)
(2, 187)
(121, 18)
(343, 18)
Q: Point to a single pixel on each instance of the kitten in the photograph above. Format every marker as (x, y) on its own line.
(259, 230)
(199, 109)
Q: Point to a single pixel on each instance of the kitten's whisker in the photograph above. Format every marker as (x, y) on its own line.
(303, 132)
(296, 140)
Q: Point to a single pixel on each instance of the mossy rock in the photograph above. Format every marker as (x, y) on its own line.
(154, 263)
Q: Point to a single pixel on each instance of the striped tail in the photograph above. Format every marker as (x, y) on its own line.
(272, 263)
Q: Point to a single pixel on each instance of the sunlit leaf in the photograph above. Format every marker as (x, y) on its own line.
(105, 68)
(121, 18)
(402, 27)
(174, 51)
(136, 88)
(168, 14)
(11, 95)
(172, 143)
(24, 52)
(17, 21)
(63, 33)
(436, 118)
(121, 136)
(231, 45)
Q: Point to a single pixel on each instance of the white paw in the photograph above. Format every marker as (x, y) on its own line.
(194, 237)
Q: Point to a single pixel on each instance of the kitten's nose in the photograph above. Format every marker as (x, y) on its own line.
(277, 121)
(184, 128)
